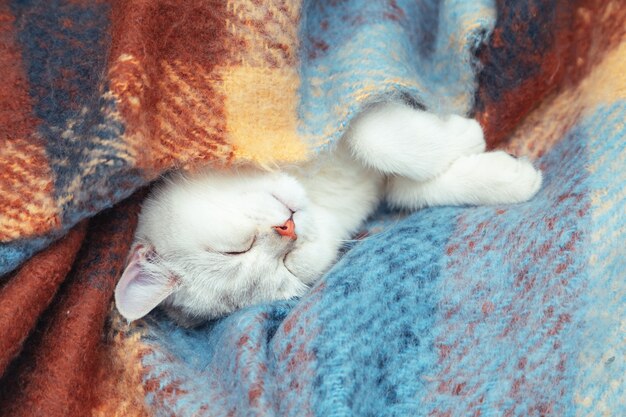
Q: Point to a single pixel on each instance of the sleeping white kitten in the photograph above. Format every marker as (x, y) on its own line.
(213, 242)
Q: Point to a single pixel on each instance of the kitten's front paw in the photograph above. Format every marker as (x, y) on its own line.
(466, 134)
(499, 178)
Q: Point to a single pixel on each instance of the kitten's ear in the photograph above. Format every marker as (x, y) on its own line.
(143, 284)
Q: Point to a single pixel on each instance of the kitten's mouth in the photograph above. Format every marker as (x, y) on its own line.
(285, 264)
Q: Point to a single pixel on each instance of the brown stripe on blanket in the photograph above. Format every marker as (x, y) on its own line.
(28, 292)
(585, 30)
(161, 73)
(56, 373)
(26, 182)
(206, 81)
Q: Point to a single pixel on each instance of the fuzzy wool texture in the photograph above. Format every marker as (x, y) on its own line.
(56, 373)
(509, 310)
(28, 292)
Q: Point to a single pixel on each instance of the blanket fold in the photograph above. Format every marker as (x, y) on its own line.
(507, 310)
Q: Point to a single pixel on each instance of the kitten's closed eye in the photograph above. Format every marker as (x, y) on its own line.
(240, 252)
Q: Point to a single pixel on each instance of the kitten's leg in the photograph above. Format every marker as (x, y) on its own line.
(486, 178)
(400, 140)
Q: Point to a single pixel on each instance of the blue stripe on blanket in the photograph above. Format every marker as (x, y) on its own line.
(599, 387)
(375, 341)
(65, 46)
(17, 251)
(510, 288)
(356, 52)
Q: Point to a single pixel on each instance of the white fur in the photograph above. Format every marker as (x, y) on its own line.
(191, 224)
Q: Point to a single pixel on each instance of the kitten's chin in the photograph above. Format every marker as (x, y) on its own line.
(300, 267)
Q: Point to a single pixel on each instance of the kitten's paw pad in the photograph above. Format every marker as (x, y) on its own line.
(500, 178)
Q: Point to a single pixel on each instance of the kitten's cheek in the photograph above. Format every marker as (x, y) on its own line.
(305, 230)
(300, 222)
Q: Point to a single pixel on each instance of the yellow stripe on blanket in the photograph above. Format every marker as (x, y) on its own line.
(261, 114)
(260, 82)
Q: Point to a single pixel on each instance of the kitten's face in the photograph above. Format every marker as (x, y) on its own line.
(214, 243)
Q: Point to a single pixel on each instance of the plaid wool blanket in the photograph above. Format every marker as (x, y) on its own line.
(457, 311)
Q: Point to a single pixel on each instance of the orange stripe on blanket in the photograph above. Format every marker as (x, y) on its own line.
(121, 372)
(27, 205)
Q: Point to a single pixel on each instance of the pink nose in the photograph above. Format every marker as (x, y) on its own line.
(287, 230)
